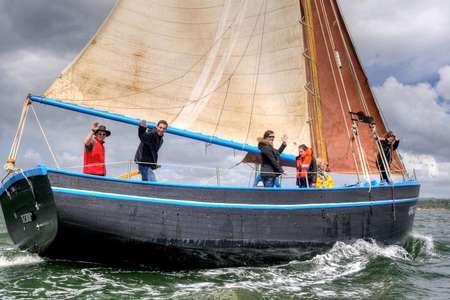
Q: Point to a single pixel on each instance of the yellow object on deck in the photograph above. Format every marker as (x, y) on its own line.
(129, 174)
(324, 181)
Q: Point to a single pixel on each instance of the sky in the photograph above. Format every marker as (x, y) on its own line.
(404, 46)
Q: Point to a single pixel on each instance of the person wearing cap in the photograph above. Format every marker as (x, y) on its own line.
(147, 152)
(94, 150)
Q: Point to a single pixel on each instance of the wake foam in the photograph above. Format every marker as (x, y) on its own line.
(16, 260)
(419, 246)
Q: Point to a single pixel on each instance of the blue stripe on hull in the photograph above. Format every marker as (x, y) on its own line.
(121, 197)
(40, 170)
(114, 179)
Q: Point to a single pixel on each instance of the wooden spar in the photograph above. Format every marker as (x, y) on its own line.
(172, 130)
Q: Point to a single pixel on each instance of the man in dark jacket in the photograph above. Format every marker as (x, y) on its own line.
(389, 144)
(270, 158)
(147, 153)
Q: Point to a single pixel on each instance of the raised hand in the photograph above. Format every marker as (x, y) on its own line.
(95, 126)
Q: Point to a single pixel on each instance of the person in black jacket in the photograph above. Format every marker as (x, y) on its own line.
(389, 144)
(270, 158)
(147, 153)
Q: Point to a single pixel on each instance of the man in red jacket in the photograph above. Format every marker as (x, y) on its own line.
(94, 151)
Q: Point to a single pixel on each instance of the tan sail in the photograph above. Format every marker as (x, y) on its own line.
(230, 68)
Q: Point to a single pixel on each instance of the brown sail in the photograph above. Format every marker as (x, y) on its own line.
(338, 90)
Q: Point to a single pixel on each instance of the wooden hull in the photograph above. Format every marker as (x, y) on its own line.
(181, 226)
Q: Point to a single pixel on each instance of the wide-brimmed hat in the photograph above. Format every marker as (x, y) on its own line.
(103, 128)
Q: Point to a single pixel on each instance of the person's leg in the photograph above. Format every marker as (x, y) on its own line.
(383, 173)
(268, 181)
(151, 175)
(143, 169)
(277, 182)
(301, 182)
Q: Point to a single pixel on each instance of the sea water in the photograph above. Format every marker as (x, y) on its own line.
(419, 269)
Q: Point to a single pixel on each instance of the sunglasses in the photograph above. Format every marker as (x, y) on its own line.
(271, 136)
(102, 133)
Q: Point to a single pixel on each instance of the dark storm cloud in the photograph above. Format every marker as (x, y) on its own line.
(57, 26)
(38, 39)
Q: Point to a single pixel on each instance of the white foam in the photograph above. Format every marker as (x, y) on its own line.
(428, 243)
(19, 260)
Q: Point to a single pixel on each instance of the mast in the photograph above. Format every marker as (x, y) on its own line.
(315, 111)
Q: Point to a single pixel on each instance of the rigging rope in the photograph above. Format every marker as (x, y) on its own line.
(361, 153)
(10, 162)
(336, 84)
(45, 137)
(360, 93)
(349, 59)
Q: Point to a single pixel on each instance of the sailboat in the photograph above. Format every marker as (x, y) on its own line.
(220, 72)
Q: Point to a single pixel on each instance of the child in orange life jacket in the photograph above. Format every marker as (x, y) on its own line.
(94, 151)
(306, 167)
(324, 180)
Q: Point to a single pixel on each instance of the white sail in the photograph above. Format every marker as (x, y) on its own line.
(226, 68)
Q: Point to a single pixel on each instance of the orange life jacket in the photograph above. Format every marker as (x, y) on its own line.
(303, 163)
(94, 160)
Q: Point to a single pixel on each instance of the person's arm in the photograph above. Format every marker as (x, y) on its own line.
(266, 151)
(146, 136)
(89, 139)
(283, 144)
(142, 129)
(395, 145)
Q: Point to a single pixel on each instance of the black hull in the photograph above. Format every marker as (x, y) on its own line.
(175, 227)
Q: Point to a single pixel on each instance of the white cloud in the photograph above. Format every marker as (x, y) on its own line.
(414, 113)
(408, 38)
(425, 165)
(423, 127)
(33, 69)
(443, 86)
(33, 156)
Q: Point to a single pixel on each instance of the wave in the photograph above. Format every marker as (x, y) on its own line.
(419, 246)
(302, 278)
